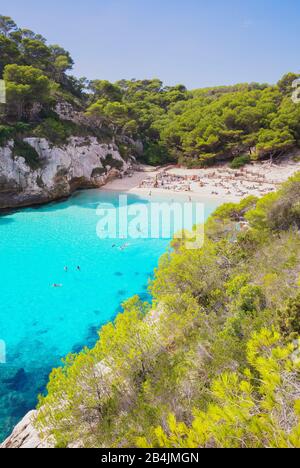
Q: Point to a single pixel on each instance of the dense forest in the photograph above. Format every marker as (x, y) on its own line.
(213, 361)
(194, 128)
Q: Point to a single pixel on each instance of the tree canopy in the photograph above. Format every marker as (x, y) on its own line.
(195, 128)
(25, 87)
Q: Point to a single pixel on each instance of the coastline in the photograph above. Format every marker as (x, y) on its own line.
(24, 435)
(132, 185)
(217, 183)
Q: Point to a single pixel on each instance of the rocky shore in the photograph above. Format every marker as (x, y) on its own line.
(81, 163)
(25, 435)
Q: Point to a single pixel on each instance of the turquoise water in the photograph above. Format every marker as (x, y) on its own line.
(41, 324)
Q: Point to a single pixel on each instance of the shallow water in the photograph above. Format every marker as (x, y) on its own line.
(41, 324)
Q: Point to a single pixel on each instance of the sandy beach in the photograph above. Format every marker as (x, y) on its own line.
(220, 181)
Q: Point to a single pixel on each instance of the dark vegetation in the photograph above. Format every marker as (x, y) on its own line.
(21, 148)
(195, 128)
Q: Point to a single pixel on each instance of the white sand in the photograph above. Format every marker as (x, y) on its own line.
(219, 182)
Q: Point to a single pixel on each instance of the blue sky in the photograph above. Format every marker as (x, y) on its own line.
(194, 42)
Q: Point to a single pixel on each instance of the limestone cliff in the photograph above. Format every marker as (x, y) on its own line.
(57, 172)
(25, 436)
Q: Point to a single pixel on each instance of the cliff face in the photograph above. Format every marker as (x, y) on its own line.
(25, 435)
(81, 163)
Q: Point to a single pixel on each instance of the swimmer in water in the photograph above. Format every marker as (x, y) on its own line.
(78, 268)
(66, 269)
(57, 285)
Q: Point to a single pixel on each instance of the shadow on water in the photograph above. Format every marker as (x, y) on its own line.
(77, 348)
(19, 389)
(89, 199)
(18, 382)
(122, 292)
(145, 297)
(5, 220)
(92, 335)
(90, 340)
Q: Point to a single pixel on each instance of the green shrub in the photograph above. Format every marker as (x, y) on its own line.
(155, 154)
(125, 151)
(59, 131)
(240, 161)
(21, 127)
(98, 171)
(110, 161)
(17, 130)
(53, 130)
(202, 161)
(26, 151)
(289, 318)
(5, 133)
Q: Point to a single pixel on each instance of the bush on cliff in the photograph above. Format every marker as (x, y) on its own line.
(212, 361)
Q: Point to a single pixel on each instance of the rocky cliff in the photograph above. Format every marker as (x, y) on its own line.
(57, 171)
(25, 436)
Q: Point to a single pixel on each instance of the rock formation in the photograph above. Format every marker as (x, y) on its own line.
(25, 435)
(57, 171)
